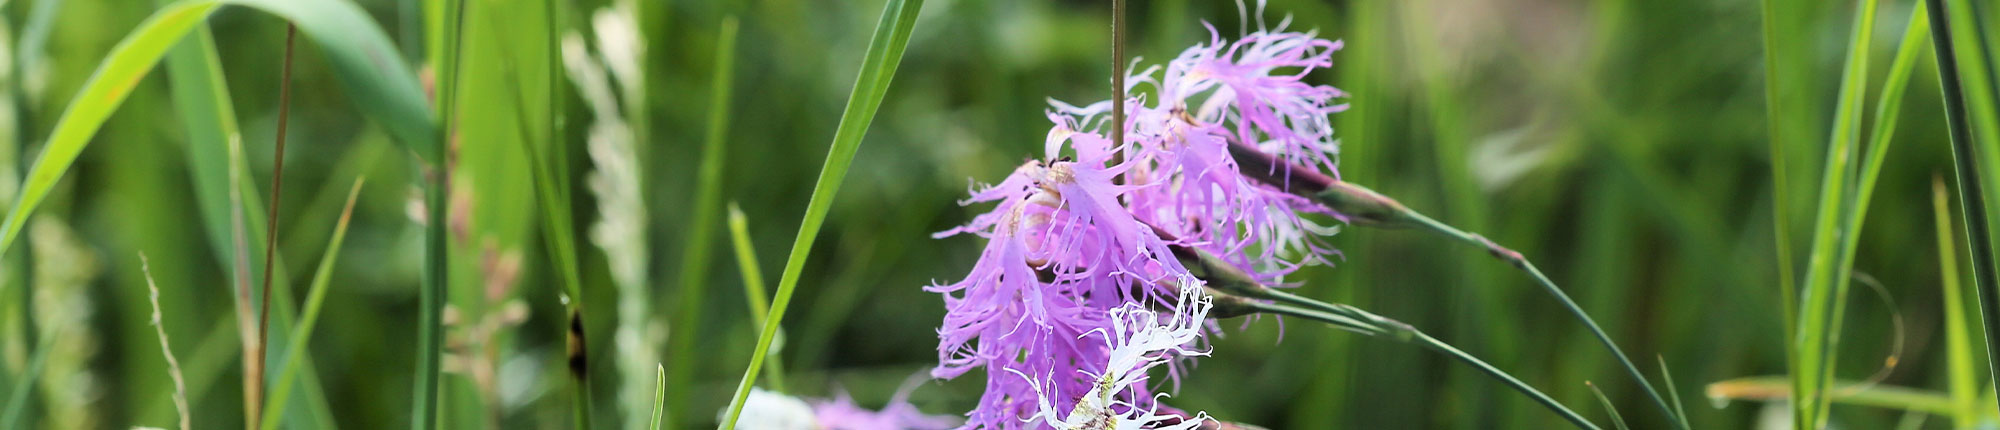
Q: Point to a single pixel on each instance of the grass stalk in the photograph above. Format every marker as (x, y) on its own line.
(1616, 420)
(1118, 85)
(1963, 383)
(430, 332)
(878, 68)
(707, 206)
(254, 372)
(1776, 110)
(289, 369)
(1387, 328)
(753, 285)
(1824, 291)
(167, 350)
(1521, 263)
(1857, 393)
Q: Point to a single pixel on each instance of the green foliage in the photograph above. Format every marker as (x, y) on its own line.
(878, 67)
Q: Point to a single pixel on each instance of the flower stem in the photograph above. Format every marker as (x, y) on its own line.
(1362, 206)
(1372, 324)
(1514, 258)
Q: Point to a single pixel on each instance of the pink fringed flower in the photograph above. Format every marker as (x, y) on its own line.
(1081, 240)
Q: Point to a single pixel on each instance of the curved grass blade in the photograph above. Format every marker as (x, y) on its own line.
(287, 372)
(707, 202)
(878, 67)
(1672, 393)
(1616, 420)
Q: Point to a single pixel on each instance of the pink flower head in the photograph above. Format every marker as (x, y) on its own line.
(1079, 243)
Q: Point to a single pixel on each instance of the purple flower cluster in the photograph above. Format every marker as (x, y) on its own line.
(1089, 229)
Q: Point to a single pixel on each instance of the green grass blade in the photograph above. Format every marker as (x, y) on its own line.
(1825, 284)
(309, 316)
(1963, 383)
(1616, 420)
(1968, 114)
(1778, 111)
(1843, 392)
(100, 95)
(878, 67)
(17, 400)
(707, 204)
(753, 286)
(358, 50)
(1672, 392)
(659, 395)
(436, 270)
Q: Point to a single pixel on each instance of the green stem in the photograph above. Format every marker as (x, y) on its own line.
(430, 331)
(1519, 262)
(1405, 332)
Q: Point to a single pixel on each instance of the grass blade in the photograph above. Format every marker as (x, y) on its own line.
(309, 316)
(430, 329)
(1973, 167)
(17, 400)
(1825, 286)
(1672, 393)
(1616, 420)
(707, 203)
(659, 395)
(878, 67)
(753, 286)
(1843, 392)
(1963, 383)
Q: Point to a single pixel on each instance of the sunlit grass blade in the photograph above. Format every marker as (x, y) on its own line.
(1616, 420)
(1961, 380)
(1825, 288)
(878, 67)
(694, 268)
(753, 286)
(1774, 388)
(659, 395)
(309, 316)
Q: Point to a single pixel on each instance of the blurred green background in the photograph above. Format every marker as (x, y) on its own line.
(1620, 144)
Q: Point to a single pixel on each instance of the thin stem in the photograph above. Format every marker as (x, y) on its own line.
(437, 194)
(1407, 333)
(1519, 262)
(1118, 83)
(1970, 194)
(255, 368)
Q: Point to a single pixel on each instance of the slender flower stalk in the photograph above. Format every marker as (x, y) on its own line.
(1202, 198)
